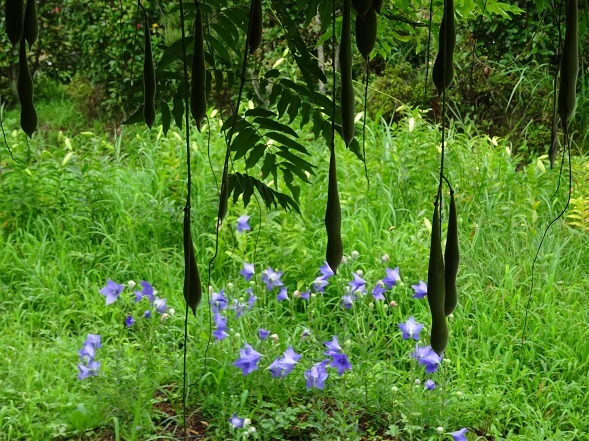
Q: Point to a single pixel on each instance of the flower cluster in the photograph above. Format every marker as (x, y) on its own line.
(427, 357)
(282, 366)
(113, 290)
(89, 366)
(339, 360)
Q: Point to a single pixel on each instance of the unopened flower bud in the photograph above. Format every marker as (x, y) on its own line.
(131, 284)
(394, 389)
(246, 422)
(296, 293)
(451, 317)
(313, 295)
(230, 285)
(164, 316)
(385, 306)
(275, 338)
(354, 254)
(210, 289)
(172, 311)
(360, 272)
(251, 430)
(385, 258)
(393, 304)
(417, 381)
(344, 259)
(440, 430)
(371, 305)
(237, 335)
(458, 394)
(447, 360)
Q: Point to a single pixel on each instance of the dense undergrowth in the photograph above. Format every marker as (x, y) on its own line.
(81, 207)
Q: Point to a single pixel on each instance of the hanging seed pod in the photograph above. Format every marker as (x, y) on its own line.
(28, 114)
(347, 93)
(14, 20)
(443, 70)
(192, 285)
(377, 5)
(362, 6)
(366, 32)
(223, 198)
(31, 25)
(569, 63)
(451, 259)
(149, 81)
(198, 90)
(436, 292)
(333, 219)
(255, 25)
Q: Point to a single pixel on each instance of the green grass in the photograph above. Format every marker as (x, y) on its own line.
(114, 210)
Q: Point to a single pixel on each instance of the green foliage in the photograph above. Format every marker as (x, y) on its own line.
(63, 209)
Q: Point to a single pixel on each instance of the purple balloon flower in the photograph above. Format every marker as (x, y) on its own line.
(326, 271)
(220, 334)
(282, 295)
(147, 314)
(263, 334)
(378, 291)
(242, 224)
(160, 305)
(319, 284)
(219, 301)
(358, 284)
(427, 357)
(88, 352)
(410, 329)
(129, 321)
(248, 359)
(248, 271)
(236, 422)
(333, 346)
(283, 366)
(460, 435)
(88, 371)
(340, 362)
(271, 278)
(305, 295)
(317, 375)
(392, 277)
(147, 291)
(348, 300)
(420, 290)
(111, 291)
(94, 340)
(430, 385)
(252, 298)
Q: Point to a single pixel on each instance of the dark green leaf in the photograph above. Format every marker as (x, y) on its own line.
(256, 153)
(285, 140)
(283, 102)
(244, 142)
(293, 108)
(270, 124)
(289, 181)
(272, 73)
(305, 114)
(258, 111)
(299, 162)
(269, 164)
(136, 117)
